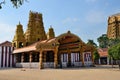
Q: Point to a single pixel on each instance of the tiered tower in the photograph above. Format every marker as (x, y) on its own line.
(50, 33)
(113, 30)
(19, 40)
(35, 31)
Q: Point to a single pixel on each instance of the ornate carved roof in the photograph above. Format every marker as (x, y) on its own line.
(65, 39)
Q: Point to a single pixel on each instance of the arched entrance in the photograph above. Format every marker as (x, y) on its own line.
(69, 50)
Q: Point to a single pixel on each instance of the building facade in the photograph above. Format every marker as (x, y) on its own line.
(113, 30)
(104, 58)
(36, 49)
(6, 57)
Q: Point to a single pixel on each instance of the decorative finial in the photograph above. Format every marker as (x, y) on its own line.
(50, 26)
(69, 32)
(19, 22)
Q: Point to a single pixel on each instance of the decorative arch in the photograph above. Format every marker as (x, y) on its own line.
(68, 37)
(69, 42)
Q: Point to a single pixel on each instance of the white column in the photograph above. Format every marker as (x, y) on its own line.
(99, 61)
(7, 55)
(61, 57)
(4, 56)
(108, 60)
(10, 60)
(0, 55)
(11, 57)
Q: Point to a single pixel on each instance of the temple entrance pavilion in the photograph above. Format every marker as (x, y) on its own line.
(66, 50)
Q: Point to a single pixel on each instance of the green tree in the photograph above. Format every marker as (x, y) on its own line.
(114, 53)
(113, 42)
(91, 42)
(103, 41)
(96, 56)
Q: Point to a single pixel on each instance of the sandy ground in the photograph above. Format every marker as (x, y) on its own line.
(95, 73)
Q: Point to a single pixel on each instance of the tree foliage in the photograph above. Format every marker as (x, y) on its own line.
(114, 52)
(91, 42)
(103, 41)
(16, 3)
(96, 55)
(113, 42)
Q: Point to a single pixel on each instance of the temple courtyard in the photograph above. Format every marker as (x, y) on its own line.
(94, 73)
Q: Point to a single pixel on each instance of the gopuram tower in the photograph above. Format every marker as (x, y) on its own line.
(19, 40)
(113, 30)
(35, 31)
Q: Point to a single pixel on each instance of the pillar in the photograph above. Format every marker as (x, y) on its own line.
(40, 60)
(82, 54)
(56, 57)
(108, 60)
(55, 60)
(22, 57)
(30, 58)
(99, 61)
(82, 58)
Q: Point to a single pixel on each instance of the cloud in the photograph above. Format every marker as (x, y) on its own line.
(95, 17)
(69, 20)
(6, 32)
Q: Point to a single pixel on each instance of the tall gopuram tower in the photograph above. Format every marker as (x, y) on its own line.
(50, 33)
(113, 30)
(19, 40)
(35, 29)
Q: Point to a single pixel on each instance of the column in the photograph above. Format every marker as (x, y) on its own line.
(56, 57)
(82, 58)
(30, 58)
(82, 55)
(55, 60)
(40, 60)
(22, 57)
(99, 61)
(108, 60)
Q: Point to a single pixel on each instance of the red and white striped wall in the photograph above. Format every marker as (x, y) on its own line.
(6, 57)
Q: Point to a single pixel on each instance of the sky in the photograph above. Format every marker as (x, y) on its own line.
(85, 18)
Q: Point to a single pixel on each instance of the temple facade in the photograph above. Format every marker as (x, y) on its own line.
(37, 49)
(113, 30)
